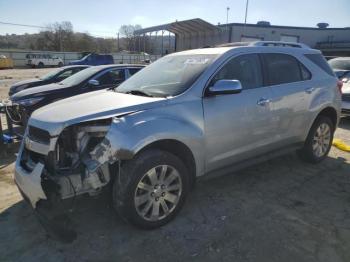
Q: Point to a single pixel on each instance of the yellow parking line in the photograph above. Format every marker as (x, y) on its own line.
(341, 145)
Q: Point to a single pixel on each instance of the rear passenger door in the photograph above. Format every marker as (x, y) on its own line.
(237, 126)
(291, 91)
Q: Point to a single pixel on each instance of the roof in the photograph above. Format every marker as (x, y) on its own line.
(119, 65)
(265, 45)
(192, 26)
(74, 66)
(203, 51)
(284, 27)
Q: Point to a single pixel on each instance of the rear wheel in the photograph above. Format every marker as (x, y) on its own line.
(60, 64)
(319, 140)
(151, 189)
(41, 65)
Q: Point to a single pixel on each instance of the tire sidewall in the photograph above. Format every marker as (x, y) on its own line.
(131, 174)
(309, 143)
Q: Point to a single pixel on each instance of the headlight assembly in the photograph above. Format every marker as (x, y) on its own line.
(29, 101)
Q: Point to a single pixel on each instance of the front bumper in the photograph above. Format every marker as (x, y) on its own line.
(29, 183)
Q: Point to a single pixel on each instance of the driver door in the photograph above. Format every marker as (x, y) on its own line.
(237, 126)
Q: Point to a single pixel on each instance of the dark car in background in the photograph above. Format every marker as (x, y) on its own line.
(53, 77)
(94, 59)
(88, 80)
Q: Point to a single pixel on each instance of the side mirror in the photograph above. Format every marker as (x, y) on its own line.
(222, 87)
(94, 82)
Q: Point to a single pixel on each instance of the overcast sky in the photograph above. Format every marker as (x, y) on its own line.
(104, 17)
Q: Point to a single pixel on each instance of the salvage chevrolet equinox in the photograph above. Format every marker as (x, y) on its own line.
(189, 114)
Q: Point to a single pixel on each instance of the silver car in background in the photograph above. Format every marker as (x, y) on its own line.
(189, 114)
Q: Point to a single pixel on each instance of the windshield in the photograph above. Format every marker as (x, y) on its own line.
(80, 76)
(343, 64)
(168, 76)
(51, 74)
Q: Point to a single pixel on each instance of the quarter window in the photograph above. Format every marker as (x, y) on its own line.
(245, 68)
(282, 69)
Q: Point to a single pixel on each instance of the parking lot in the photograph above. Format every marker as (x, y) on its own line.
(281, 210)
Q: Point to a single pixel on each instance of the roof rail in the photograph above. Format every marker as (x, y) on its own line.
(279, 43)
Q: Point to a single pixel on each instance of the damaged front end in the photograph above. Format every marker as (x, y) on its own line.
(64, 165)
(51, 169)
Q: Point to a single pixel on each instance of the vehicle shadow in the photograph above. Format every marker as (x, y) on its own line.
(8, 154)
(281, 210)
(345, 123)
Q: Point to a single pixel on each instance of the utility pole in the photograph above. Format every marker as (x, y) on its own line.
(227, 9)
(246, 12)
(118, 42)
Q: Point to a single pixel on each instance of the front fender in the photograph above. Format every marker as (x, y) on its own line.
(130, 134)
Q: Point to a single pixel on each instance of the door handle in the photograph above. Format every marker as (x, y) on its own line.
(263, 102)
(310, 90)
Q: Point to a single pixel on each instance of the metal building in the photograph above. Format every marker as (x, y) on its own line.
(196, 33)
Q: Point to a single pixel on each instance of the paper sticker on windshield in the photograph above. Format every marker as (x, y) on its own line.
(196, 61)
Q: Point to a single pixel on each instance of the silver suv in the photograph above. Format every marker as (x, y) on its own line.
(189, 114)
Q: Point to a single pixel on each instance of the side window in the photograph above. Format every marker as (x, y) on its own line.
(282, 69)
(77, 69)
(112, 77)
(133, 71)
(305, 73)
(64, 75)
(245, 68)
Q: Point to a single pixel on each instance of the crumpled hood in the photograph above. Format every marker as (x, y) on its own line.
(90, 106)
(37, 91)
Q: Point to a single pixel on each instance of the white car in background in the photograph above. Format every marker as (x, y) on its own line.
(42, 60)
(346, 94)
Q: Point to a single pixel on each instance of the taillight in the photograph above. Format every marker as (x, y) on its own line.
(340, 85)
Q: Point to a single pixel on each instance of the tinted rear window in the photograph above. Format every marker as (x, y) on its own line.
(321, 62)
(282, 69)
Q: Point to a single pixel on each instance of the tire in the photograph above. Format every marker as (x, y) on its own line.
(41, 65)
(316, 148)
(60, 64)
(127, 189)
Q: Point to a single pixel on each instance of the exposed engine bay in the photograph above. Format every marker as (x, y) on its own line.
(66, 169)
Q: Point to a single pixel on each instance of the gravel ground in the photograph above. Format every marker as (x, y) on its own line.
(281, 210)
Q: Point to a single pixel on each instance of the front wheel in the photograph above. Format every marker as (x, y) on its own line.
(151, 188)
(60, 64)
(319, 140)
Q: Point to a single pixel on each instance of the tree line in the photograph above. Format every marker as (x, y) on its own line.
(60, 36)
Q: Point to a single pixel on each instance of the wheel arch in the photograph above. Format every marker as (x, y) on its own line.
(180, 150)
(329, 112)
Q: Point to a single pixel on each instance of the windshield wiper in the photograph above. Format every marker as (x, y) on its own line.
(138, 93)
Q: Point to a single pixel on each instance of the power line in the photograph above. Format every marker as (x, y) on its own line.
(45, 27)
(34, 26)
